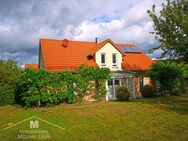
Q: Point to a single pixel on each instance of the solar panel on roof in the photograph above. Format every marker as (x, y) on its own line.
(124, 49)
(137, 49)
(130, 49)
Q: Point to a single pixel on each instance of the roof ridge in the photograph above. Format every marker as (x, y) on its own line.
(108, 39)
(82, 41)
(49, 39)
(101, 44)
(104, 41)
(68, 39)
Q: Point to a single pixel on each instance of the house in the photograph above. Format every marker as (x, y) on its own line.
(128, 64)
(32, 66)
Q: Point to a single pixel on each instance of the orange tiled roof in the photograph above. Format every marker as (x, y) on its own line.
(136, 61)
(56, 57)
(31, 66)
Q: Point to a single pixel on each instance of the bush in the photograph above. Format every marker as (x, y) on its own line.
(42, 88)
(147, 91)
(122, 94)
(170, 76)
(7, 95)
(9, 71)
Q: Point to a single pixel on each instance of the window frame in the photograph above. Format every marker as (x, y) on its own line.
(103, 64)
(114, 64)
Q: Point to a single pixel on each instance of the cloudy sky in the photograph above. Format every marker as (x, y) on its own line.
(24, 22)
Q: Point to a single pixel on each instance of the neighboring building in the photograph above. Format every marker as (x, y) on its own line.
(127, 63)
(31, 66)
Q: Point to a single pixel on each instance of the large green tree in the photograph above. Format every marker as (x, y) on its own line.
(171, 28)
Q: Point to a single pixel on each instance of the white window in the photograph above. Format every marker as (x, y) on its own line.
(103, 59)
(114, 59)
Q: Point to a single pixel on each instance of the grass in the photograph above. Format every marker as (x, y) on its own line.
(138, 120)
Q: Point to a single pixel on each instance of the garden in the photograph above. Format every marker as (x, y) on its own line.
(36, 88)
(40, 88)
(58, 99)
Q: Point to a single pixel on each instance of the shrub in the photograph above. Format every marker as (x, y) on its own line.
(169, 75)
(147, 91)
(42, 88)
(122, 94)
(7, 95)
(9, 71)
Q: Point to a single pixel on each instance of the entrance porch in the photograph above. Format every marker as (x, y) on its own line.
(120, 78)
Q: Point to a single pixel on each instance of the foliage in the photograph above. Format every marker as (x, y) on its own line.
(147, 91)
(73, 85)
(9, 71)
(39, 88)
(7, 95)
(185, 76)
(169, 75)
(122, 94)
(185, 71)
(98, 75)
(171, 28)
(42, 88)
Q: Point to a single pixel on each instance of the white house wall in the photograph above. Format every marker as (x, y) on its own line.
(109, 49)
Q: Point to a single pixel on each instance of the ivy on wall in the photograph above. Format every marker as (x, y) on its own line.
(42, 88)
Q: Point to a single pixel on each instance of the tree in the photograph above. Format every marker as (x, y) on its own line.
(169, 75)
(9, 71)
(171, 28)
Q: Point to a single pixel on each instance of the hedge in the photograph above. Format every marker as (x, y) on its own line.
(43, 88)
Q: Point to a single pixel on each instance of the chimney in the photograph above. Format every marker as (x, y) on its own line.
(96, 40)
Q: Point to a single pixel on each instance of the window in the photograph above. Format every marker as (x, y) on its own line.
(117, 82)
(103, 59)
(114, 59)
(110, 82)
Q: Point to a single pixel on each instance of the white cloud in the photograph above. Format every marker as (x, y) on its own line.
(156, 54)
(22, 23)
(134, 26)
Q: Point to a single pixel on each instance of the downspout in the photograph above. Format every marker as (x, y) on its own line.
(106, 90)
(134, 89)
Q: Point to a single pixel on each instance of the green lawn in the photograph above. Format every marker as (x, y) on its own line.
(138, 120)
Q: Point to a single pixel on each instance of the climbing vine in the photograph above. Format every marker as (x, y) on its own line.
(43, 88)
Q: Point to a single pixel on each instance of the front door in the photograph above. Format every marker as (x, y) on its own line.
(112, 87)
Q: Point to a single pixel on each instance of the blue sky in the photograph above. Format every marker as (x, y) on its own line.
(24, 22)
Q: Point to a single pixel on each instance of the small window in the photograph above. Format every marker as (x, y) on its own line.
(103, 59)
(110, 82)
(117, 82)
(114, 59)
